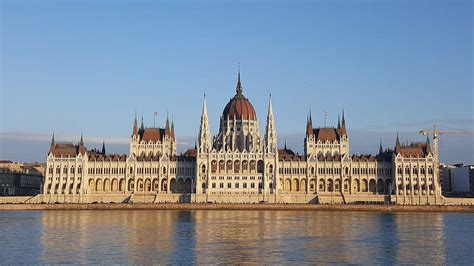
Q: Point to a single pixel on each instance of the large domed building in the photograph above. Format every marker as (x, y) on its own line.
(238, 164)
(239, 128)
(237, 152)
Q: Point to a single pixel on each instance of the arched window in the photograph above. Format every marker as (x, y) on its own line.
(260, 167)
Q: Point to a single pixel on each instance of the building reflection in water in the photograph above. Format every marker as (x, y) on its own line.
(207, 237)
(420, 235)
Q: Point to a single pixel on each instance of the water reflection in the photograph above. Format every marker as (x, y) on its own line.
(204, 237)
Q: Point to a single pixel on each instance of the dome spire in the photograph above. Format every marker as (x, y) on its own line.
(238, 89)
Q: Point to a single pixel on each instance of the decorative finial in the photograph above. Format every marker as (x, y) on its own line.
(239, 84)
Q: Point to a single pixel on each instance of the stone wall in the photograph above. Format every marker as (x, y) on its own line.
(459, 201)
(322, 198)
(14, 199)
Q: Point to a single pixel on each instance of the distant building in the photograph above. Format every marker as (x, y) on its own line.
(20, 179)
(239, 164)
(445, 177)
(457, 179)
(462, 178)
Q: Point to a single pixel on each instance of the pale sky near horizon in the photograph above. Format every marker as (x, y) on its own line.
(86, 66)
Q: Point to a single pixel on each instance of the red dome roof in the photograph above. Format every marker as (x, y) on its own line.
(239, 106)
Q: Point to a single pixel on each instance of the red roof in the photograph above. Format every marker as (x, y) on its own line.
(325, 134)
(151, 134)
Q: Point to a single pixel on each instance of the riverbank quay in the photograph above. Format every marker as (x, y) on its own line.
(192, 206)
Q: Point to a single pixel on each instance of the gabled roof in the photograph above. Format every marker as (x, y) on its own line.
(289, 155)
(66, 149)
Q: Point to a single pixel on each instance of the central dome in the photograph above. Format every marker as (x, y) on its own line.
(239, 106)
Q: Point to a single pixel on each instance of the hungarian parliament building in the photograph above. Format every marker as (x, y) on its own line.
(240, 165)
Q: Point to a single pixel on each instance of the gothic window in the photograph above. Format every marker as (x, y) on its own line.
(214, 166)
(221, 166)
(260, 167)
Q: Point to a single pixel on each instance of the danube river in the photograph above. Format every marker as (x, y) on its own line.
(211, 236)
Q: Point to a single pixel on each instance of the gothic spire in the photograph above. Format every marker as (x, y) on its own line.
(172, 127)
(338, 121)
(81, 145)
(167, 127)
(270, 131)
(204, 138)
(380, 147)
(397, 144)
(142, 126)
(135, 125)
(343, 124)
(238, 89)
(51, 148)
(103, 147)
(309, 125)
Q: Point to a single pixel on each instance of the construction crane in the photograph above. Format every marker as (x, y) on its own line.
(437, 132)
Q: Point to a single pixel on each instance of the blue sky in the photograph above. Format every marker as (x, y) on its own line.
(86, 66)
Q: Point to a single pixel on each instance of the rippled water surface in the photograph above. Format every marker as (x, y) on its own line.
(145, 236)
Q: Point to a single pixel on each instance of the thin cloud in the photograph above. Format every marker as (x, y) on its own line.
(23, 136)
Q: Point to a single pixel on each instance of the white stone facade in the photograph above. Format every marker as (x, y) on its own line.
(238, 164)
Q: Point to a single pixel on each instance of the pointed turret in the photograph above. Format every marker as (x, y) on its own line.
(167, 127)
(380, 147)
(135, 126)
(204, 138)
(338, 121)
(142, 126)
(103, 147)
(285, 146)
(343, 124)
(270, 130)
(172, 129)
(397, 145)
(51, 148)
(309, 125)
(81, 145)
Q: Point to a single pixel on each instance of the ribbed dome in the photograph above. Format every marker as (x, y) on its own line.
(239, 106)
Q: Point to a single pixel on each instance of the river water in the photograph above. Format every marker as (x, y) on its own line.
(205, 236)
